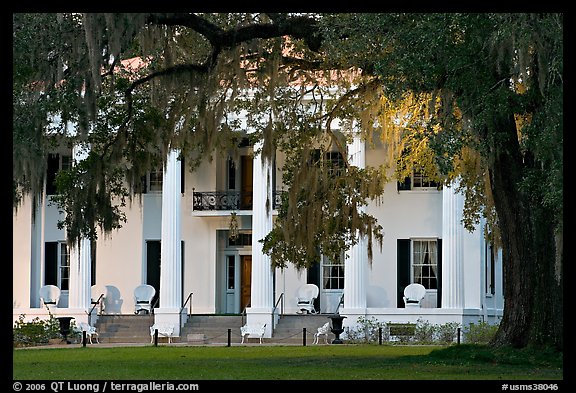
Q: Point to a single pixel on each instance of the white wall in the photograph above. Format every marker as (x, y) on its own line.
(120, 262)
(22, 254)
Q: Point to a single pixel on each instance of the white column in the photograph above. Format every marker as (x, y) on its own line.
(80, 260)
(452, 248)
(355, 268)
(80, 266)
(262, 291)
(170, 251)
(37, 251)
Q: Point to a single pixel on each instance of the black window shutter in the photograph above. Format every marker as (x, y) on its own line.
(182, 175)
(405, 185)
(51, 172)
(313, 274)
(51, 263)
(182, 264)
(313, 277)
(403, 267)
(273, 177)
(153, 256)
(439, 275)
(92, 262)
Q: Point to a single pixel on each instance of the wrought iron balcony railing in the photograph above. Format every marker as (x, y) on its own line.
(228, 200)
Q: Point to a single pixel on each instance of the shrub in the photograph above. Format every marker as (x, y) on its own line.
(35, 332)
(367, 330)
(481, 333)
(424, 332)
(447, 333)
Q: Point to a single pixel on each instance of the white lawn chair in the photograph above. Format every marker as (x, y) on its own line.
(306, 296)
(143, 295)
(49, 295)
(413, 295)
(90, 331)
(323, 330)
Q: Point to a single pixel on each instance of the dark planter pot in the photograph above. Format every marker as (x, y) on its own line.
(65, 327)
(337, 327)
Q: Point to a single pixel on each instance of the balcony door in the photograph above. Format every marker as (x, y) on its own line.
(246, 185)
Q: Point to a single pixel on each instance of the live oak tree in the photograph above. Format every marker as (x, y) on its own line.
(486, 93)
(475, 98)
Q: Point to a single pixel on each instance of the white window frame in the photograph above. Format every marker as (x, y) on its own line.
(328, 267)
(421, 182)
(417, 262)
(155, 180)
(335, 160)
(63, 266)
(64, 162)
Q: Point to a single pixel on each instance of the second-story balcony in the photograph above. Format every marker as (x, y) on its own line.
(228, 200)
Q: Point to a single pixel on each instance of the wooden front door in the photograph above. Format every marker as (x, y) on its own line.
(245, 280)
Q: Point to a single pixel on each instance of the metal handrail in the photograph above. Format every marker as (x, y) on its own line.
(243, 313)
(154, 305)
(186, 301)
(341, 302)
(280, 299)
(92, 309)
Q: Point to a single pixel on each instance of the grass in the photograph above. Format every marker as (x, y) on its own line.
(322, 362)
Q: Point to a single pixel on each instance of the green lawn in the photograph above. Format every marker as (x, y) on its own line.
(321, 362)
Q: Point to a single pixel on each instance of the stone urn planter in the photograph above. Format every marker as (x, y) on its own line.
(65, 328)
(337, 327)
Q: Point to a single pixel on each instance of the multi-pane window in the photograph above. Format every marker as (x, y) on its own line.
(333, 161)
(425, 263)
(332, 273)
(56, 163)
(418, 181)
(64, 267)
(155, 180)
(230, 271)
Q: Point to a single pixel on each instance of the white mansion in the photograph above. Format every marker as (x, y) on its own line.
(177, 238)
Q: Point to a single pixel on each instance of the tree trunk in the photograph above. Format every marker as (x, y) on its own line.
(532, 282)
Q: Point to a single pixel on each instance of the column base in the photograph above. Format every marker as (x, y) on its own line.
(170, 316)
(257, 316)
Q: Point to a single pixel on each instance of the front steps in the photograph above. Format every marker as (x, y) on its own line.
(125, 328)
(210, 329)
(290, 329)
